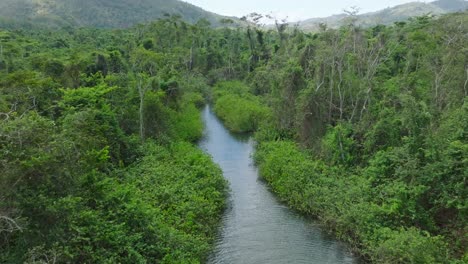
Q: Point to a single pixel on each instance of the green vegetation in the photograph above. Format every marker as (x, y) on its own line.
(95, 153)
(241, 111)
(98, 13)
(369, 217)
(65, 180)
(368, 132)
(364, 129)
(387, 16)
(187, 191)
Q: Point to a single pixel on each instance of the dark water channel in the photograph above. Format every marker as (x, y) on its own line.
(256, 227)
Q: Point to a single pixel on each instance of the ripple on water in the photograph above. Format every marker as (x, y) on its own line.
(256, 227)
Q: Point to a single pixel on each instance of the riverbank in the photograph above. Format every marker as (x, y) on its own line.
(257, 227)
(89, 193)
(345, 203)
(369, 217)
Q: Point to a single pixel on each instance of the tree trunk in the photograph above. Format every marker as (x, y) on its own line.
(141, 93)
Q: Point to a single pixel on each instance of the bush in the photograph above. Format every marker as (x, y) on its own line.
(408, 246)
(367, 217)
(240, 110)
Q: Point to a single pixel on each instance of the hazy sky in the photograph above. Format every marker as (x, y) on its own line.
(293, 9)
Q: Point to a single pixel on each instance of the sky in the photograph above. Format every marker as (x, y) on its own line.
(293, 10)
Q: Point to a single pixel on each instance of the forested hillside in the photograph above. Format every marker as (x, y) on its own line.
(95, 155)
(98, 13)
(364, 129)
(388, 15)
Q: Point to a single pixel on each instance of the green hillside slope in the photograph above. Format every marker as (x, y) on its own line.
(389, 15)
(99, 13)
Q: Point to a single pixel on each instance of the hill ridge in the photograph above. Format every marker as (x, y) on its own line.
(388, 15)
(101, 13)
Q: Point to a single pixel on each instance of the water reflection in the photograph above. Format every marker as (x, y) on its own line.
(256, 227)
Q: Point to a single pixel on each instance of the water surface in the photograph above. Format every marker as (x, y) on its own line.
(256, 227)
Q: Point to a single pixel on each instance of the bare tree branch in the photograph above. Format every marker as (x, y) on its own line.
(8, 224)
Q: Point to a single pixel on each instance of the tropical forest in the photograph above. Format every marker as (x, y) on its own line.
(146, 131)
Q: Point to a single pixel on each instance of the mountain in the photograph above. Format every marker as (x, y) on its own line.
(451, 5)
(389, 15)
(99, 13)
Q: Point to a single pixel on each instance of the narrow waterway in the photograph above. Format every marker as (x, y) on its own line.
(256, 227)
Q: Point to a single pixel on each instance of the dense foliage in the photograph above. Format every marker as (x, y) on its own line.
(388, 15)
(368, 217)
(365, 129)
(368, 132)
(97, 13)
(95, 155)
(240, 110)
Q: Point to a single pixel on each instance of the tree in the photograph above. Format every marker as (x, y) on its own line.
(145, 65)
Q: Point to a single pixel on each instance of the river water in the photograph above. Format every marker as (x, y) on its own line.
(256, 227)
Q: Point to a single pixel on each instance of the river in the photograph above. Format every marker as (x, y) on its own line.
(256, 227)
